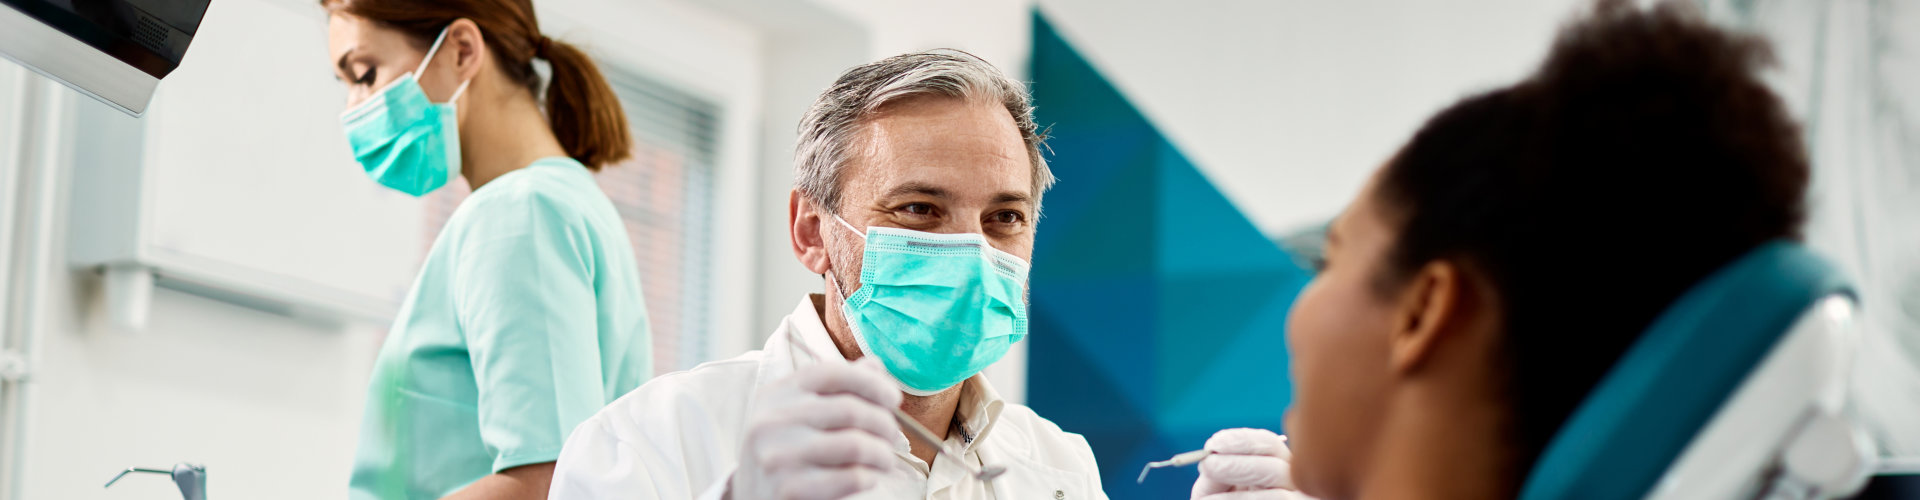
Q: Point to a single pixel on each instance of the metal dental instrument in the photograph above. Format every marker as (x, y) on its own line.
(1181, 460)
(985, 474)
(191, 479)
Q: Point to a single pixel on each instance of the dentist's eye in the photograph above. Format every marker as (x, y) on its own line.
(917, 209)
(1009, 217)
(366, 78)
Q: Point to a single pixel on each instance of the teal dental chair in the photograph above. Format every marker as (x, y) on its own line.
(1735, 391)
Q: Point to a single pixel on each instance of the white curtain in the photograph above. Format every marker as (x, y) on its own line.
(1850, 71)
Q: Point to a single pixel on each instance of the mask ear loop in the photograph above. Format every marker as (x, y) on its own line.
(435, 49)
(459, 90)
(856, 232)
(837, 285)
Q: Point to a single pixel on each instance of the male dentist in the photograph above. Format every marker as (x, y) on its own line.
(917, 187)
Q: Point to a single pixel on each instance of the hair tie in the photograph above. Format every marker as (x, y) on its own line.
(542, 46)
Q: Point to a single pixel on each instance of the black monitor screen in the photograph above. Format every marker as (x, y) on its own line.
(151, 35)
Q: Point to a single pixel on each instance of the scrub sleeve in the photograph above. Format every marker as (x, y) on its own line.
(524, 299)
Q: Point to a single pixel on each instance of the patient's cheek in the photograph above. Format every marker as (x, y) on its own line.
(1334, 333)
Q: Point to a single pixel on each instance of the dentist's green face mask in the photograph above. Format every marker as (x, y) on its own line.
(404, 141)
(935, 308)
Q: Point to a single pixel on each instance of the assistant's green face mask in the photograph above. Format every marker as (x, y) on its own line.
(404, 141)
(935, 308)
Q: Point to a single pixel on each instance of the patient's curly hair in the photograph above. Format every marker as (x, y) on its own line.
(1643, 154)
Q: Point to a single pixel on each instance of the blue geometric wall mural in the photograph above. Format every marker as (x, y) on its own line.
(1159, 310)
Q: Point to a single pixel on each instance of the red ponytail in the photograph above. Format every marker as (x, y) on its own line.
(584, 112)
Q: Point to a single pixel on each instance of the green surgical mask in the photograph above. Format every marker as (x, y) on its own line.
(404, 141)
(935, 308)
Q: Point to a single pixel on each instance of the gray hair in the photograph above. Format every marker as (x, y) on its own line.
(827, 130)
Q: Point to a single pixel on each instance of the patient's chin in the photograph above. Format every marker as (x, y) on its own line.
(1307, 467)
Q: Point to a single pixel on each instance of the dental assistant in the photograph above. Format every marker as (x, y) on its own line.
(526, 317)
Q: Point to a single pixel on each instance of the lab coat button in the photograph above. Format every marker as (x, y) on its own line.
(1058, 495)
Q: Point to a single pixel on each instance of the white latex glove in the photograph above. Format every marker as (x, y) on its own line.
(1246, 464)
(824, 432)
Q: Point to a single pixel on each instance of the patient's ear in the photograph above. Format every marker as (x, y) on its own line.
(1434, 309)
(803, 227)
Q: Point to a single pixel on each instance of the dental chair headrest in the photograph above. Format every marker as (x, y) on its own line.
(1671, 382)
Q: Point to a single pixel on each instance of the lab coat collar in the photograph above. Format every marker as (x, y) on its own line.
(980, 405)
(805, 319)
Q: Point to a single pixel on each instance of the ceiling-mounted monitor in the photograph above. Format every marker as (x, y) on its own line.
(114, 50)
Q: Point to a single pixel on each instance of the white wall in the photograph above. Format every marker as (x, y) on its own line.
(270, 405)
(804, 47)
(995, 30)
(1287, 105)
(257, 395)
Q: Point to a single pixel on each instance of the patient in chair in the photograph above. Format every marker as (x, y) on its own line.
(1496, 266)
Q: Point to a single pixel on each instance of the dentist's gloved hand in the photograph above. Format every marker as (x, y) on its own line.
(1246, 464)
(824, 432)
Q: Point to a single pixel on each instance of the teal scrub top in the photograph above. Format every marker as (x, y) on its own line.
(525, 320)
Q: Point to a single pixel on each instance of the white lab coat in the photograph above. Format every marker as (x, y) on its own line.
(679, 435)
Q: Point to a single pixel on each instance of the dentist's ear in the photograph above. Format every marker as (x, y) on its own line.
(804, 223)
